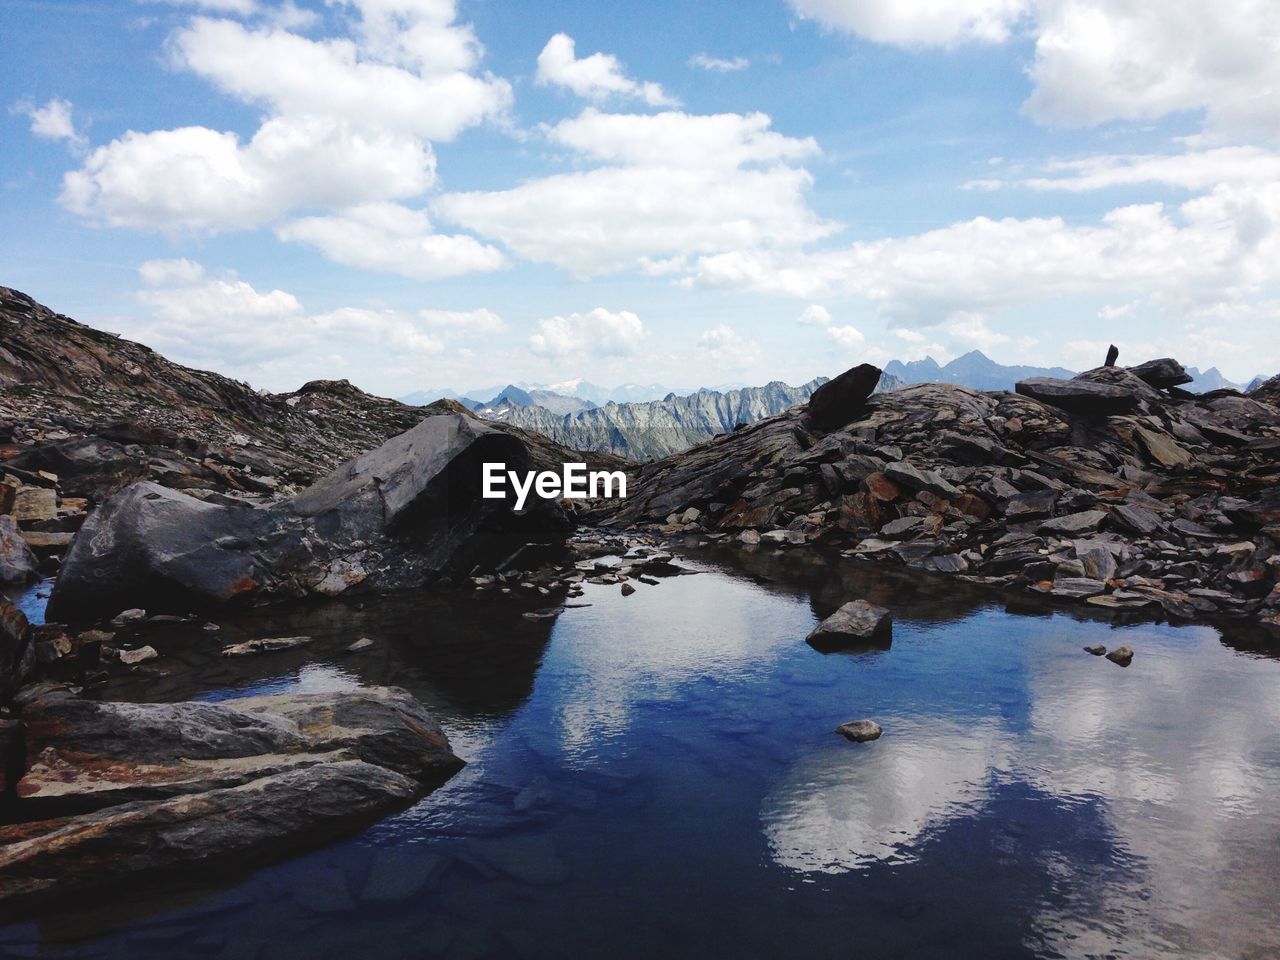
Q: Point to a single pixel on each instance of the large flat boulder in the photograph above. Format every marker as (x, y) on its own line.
(394, 517)
(1163, 373)
(115, 789)
(1079, 396)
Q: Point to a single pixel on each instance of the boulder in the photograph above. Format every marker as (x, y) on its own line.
(860, 731)
(1096, 649)
(839, 401)
(17, 563)
(1113, 354)
(1163, 373)
(392, 518)
(1121, 655)
(116, 789)
(856, 623)
(1079, 396)
(17, 653)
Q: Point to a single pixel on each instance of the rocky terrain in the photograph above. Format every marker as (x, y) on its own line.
(1114, 488)
(160, 495)
(644, 431)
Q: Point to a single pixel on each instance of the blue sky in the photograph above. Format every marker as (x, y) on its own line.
(423, 194)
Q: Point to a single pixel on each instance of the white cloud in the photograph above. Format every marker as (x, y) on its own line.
(596, 77)
(269, 338)
(815, 315)
(972, 330)
(727, 348)
(1222, 247)
(847, 337)
(671, 185)
(241, 8)
(156, 273)
(1100, 60)
(601, 333)
(349, 122)
(918, 23)
(194, 178)
(717, 64)
(53, 121)
(390, 238)
(458, 322)
(1190, 170)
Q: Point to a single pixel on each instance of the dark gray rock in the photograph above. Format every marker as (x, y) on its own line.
(1096, 649)
(860, 731)
(116, 789)
(913, 478)
(838, 401)
(17, 563)
(1163, 373)
(413, 505)
(1086, 521)
(1079, 396)
(1121, 655)
(1031, 506)
(857, 622)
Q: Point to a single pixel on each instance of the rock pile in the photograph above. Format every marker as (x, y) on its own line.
(1114, 488)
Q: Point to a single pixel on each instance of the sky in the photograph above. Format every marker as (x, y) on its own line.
(429, 194)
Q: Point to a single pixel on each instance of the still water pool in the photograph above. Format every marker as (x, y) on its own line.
(657, 776)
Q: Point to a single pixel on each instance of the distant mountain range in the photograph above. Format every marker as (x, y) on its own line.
(657, 428)
(585, 416)
(974, 369)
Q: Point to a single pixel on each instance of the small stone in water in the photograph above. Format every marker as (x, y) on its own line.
(1096, 649)
(364, 643)
(859, 731)
(628, 589)
(1121, 655)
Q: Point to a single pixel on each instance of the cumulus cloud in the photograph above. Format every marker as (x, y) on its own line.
(918, 23)
(216, 320)
(727, 348)
(1100, 60)
(1221, 247)
(668, 186)
(718, 64)
(596, 77)
(53, 121)
(348, 121)
(600, 333)
(815, 315)
(846, 336)
(391, 238)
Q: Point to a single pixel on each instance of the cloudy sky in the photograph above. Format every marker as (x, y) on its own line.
(427, 194)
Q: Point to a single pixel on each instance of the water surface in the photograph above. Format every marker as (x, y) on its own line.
(657, 775)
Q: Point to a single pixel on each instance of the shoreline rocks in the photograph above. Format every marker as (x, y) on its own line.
(1154, 502)
(119, 789)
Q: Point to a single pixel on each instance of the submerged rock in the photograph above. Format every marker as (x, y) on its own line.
(860, 731)
(1096, 649)
(856, 621)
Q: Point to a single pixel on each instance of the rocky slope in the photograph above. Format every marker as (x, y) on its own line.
(1114, 488)
(643, 431)
(84, 413)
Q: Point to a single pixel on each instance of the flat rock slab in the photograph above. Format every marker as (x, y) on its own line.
(856, 623)
(1086, 521)
(1079, 396)
(120, 788)
(265, 645)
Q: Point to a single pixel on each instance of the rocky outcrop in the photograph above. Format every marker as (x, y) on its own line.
(395, 517)
(642, 431)
(84, 413)
(17, 563)
(118, 789)
(1165, 505)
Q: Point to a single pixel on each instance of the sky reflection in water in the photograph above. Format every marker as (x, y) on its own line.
(660, 776)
